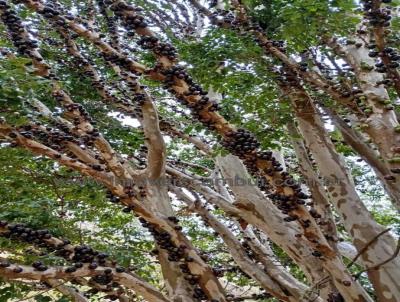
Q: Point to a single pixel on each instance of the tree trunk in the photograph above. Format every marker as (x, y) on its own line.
(259, 211)
(179, 290)
(355, 216)
(381, 170)
(273, 284)
(319, 195)
(381, 124)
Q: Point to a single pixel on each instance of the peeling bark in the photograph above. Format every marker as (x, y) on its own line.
(272, 282)
(355, 217)
(380, 124)
(247, 195)
(251, 206)
(351, 137)
(319, 195)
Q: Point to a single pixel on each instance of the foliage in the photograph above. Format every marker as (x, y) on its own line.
(38, 192)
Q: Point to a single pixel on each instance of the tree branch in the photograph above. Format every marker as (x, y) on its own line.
(127, 280)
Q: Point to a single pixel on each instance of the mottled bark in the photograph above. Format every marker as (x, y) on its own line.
(355, 141)
(274, 284)
(58, 273)
(249, 197)
(181, 88)
(155, 172)
(254, 208)
(265, 255)
(320, 197)
(381, 124)
(356, 218)
(157, 196)
(251, 206)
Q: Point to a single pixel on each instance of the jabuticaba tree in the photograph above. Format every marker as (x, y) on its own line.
(192, 151)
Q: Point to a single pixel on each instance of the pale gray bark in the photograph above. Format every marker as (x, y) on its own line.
(272, 278)
(356, 218)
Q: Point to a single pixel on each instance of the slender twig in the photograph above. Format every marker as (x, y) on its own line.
(376, 267)
(315, 289)
(365, 248)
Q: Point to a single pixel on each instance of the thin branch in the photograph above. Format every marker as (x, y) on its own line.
(365, 248)
(376, 267)
(141, 287)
